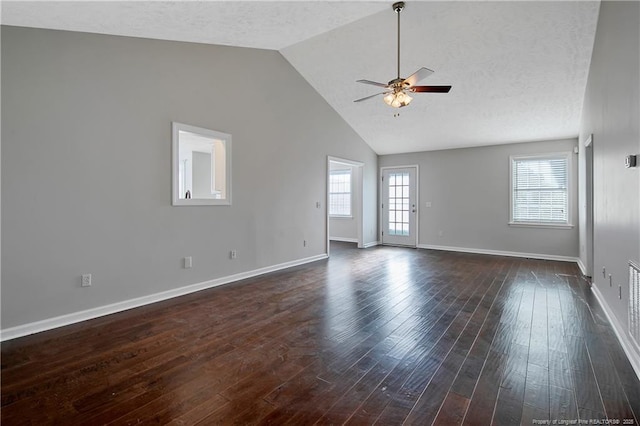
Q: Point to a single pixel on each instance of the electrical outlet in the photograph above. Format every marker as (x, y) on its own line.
(187, 262)
(441, 233)
(304, 243)
(233, 254)
(86, 280)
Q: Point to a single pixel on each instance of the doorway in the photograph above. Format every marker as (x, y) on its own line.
(589, 204)
(344, 201)
(399, 201)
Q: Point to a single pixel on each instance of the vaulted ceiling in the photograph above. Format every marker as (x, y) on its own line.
(518, 69)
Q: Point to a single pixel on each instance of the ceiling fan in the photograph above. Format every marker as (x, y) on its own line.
(397, 95)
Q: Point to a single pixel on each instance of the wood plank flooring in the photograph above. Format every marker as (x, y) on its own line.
(384, 336)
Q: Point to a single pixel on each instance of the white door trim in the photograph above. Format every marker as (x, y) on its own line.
(589, 205)
(380, 197)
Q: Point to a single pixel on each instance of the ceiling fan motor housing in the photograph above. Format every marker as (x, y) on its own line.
(398, 83)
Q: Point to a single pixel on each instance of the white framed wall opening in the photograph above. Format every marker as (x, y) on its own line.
(344, 201)
(201, 166)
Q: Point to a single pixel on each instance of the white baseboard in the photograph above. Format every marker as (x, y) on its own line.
(501, 253)
(627, 345)
(75, 317)
(371, 244)
(344, 240)
(583, 269)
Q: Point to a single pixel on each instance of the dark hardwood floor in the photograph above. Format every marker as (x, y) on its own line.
(384, 335)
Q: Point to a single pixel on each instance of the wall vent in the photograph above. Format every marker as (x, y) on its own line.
(634, 303)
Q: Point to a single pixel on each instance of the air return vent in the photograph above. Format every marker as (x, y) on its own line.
(634, 302)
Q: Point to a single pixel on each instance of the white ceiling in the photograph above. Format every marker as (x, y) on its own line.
(518, 69)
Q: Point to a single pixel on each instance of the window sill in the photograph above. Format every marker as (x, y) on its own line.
(331, 216)
(541, 225)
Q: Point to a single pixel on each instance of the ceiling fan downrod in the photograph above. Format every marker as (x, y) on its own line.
(397, 7)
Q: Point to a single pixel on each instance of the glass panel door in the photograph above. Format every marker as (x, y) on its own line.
(399, 206)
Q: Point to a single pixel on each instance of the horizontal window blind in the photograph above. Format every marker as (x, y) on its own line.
(340, 193)
(540, 190)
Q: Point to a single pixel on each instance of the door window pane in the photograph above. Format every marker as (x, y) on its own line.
(398, 203)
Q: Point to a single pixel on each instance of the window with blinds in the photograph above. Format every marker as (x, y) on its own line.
(540, 189)
(340, 193)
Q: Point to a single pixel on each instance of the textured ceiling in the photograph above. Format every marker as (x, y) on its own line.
(518, 69)
(259, 24)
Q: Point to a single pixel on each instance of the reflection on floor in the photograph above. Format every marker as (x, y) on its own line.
(387, 335)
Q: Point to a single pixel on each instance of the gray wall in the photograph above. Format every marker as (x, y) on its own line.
(201, 170)
(469, 193)
(86, 180)
(611, 110)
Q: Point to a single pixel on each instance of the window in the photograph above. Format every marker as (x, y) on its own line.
(340, 193)
(540, 190)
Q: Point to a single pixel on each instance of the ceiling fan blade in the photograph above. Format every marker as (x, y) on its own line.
(432, 89)
(369, 97)
(373, 83)
(422, 73)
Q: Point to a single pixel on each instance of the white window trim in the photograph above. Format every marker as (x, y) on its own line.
(343, 216)
(551, 225)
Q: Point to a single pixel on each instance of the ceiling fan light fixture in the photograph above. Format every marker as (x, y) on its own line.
(397, 99)
(388, 99)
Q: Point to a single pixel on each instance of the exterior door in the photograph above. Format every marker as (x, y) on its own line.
(399, 206)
